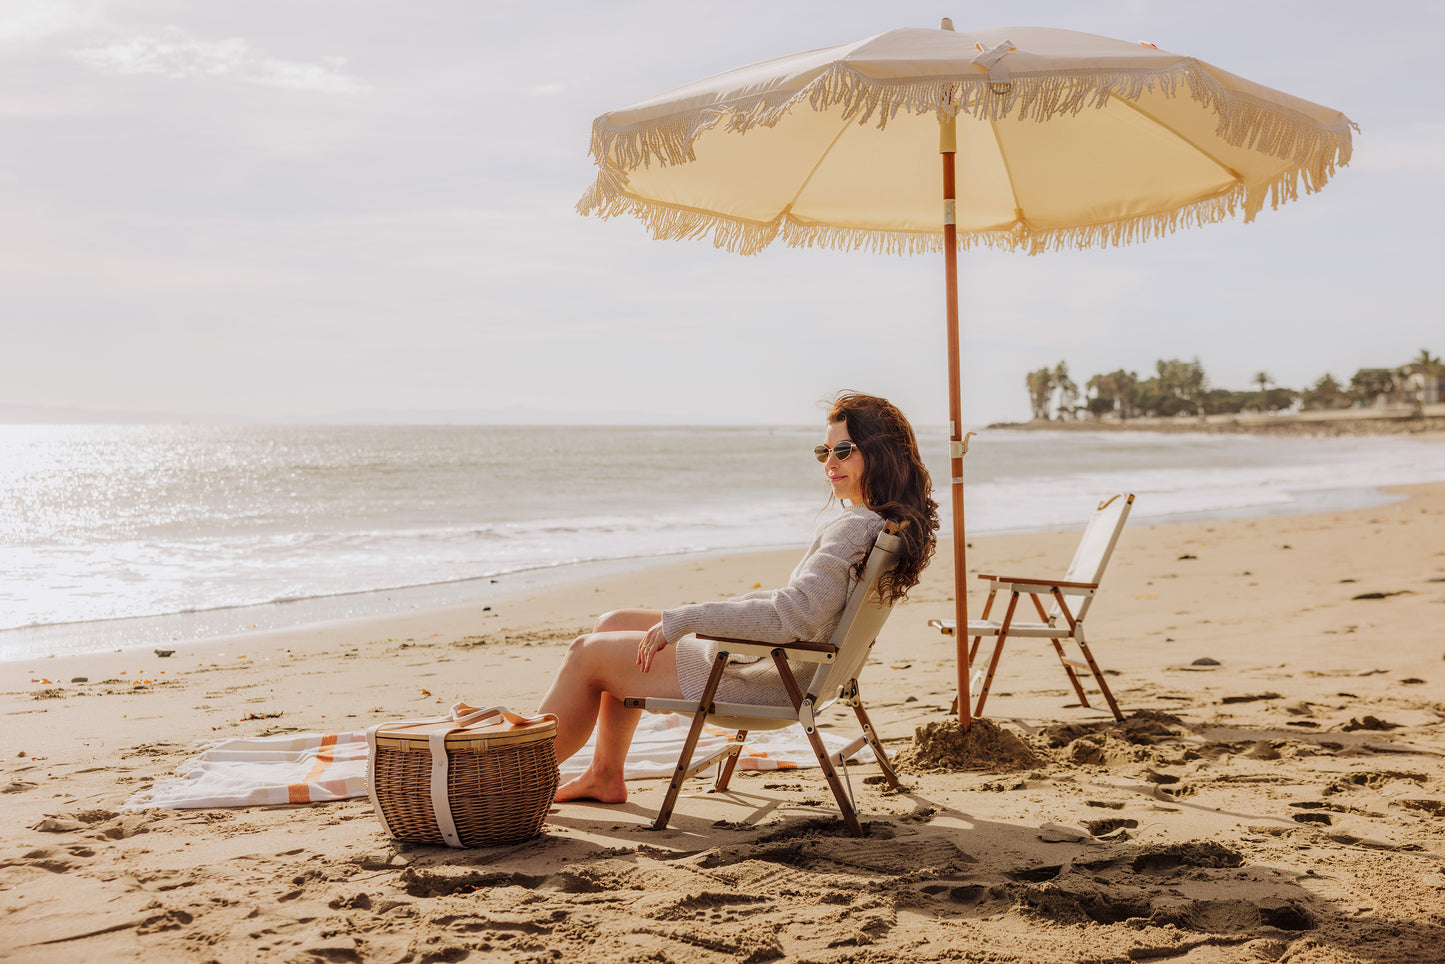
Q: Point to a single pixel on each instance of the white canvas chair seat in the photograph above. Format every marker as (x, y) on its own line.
(1060, 621)
(992, 627)
(840, 662)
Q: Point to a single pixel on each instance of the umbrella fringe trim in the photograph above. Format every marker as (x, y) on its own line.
(670, 223)
(1243, 121)
(1252, 124)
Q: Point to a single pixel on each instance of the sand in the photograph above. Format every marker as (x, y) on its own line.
(1283, 802)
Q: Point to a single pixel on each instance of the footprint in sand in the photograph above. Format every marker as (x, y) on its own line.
(1320, 818)
(1251, 698)
(1435, 808)
(1369, 723)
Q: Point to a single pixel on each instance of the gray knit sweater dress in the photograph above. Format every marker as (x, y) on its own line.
(807, 608)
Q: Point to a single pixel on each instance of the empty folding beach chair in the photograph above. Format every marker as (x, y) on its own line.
(1058, 622)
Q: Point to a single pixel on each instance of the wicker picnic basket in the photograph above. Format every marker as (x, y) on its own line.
(472, 779)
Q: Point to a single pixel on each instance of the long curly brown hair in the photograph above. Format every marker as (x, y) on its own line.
(896, 484)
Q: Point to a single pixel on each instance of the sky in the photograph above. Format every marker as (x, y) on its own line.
(314, 210)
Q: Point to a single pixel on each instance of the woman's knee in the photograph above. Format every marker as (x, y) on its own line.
(599, 660)
(594, 649)
(578, 648)
(626, 620)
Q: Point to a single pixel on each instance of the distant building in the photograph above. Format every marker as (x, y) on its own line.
(1416, 383)
(1383, 382)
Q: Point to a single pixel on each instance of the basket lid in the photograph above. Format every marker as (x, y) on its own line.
(492, 731)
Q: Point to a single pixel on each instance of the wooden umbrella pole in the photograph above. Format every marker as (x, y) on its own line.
(947, 147)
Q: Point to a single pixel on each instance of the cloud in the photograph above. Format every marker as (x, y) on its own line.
(177, 55)
(32, 21)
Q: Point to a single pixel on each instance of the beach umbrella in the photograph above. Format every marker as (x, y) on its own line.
(1049, 139)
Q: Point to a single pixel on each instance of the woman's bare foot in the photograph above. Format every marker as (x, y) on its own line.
(604, 788)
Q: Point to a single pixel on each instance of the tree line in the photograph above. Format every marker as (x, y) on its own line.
(1181, 388)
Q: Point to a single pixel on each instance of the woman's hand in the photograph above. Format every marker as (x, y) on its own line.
(652, 643)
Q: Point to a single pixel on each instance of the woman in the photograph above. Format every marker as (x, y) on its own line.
(870, 456)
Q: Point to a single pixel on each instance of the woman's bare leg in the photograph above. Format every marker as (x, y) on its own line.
(640, 620)
(598, 670)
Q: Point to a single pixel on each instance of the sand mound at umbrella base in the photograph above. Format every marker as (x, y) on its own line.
(943, 746)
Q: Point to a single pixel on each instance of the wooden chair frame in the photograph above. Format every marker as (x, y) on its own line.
(840, 661)
(1059, 622)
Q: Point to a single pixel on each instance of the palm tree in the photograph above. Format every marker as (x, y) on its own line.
(1325, 393)
(1126, 388)
(1105, 395)
(1263, 380)
(1068, 391)
(1041, 390)
(1180, 385)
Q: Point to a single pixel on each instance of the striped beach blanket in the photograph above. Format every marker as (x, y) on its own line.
(264, 771)
(318, 767)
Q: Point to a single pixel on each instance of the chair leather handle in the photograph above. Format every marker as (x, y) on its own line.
(1040, 582)
(799, 645)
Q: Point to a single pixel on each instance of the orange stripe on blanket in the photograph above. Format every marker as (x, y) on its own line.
(338, 789)
(301, 792)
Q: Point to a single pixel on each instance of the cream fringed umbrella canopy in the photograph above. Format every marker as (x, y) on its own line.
(1059, 140)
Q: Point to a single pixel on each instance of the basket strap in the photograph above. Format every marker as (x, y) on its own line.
(371, 777)
(465, 715)
(441, 804)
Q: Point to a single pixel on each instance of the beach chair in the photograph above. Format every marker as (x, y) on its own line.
(1058, 622)
(840, 661)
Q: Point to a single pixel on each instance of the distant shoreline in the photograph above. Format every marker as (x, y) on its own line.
(1402, 421)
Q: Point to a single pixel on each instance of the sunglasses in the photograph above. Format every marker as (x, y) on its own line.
(841, 451)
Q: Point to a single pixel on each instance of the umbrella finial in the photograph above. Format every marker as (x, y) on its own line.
(946, 23)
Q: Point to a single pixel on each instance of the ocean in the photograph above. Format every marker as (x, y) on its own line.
(115, 536)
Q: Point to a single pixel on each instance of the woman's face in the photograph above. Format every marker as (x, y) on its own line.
(846, 477)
